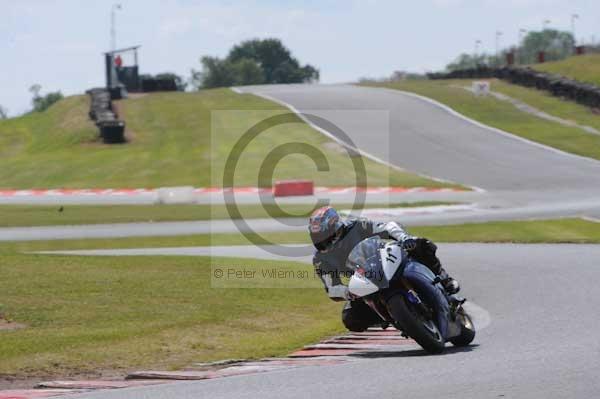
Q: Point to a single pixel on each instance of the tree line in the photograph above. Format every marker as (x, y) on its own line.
(253, 62)
(250, 62)
(555, 44)
(39, 102)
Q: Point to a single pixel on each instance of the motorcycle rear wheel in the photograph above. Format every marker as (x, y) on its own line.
(415, 325)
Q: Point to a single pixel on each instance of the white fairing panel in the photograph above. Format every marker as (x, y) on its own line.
(391, 258)
(360, 286)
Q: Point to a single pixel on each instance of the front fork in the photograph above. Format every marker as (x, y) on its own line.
(454, 300)
(375, 302)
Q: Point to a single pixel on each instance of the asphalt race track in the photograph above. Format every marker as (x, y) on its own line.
(428, 139)
(425, 137)
(543, 299)
(542, 340)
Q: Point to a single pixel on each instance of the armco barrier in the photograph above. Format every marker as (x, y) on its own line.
(176, 195)
(288, 188)
(583, 93)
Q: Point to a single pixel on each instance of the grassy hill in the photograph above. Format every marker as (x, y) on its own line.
(585, 68)
(175, 139)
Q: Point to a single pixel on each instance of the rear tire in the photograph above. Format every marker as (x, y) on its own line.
(467, 330)
(425, 332)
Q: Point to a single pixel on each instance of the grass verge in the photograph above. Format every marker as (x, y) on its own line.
(505, 116)
(175, 139)
(89, 315)
(584, 68)
(27, 215)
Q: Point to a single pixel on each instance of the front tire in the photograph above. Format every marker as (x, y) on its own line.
(467, 330)
(415, 325)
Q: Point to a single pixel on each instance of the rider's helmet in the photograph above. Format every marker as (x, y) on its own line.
(325, 228)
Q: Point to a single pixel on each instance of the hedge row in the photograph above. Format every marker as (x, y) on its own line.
(154, 84)
(583, 93)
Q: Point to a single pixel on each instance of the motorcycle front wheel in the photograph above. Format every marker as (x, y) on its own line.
(467, 330)
(414, 324)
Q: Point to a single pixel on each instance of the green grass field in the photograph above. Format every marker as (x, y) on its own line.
(166, 312)
(505, 116)
(546, 102)
(584, 68)
(97, 315)
(26, 215)
(171, 145)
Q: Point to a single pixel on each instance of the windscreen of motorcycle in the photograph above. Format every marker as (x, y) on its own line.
(365, 259)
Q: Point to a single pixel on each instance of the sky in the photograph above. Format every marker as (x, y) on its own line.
(59, 43)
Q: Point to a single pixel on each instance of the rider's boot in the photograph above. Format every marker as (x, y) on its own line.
(450, 285)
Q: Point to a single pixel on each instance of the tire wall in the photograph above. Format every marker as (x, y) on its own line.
(582, 93)
(111, 129)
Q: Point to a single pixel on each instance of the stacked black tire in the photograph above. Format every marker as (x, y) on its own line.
(583, 93)
(112, 130)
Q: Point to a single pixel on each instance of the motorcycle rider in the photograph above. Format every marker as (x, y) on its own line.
(334, 239)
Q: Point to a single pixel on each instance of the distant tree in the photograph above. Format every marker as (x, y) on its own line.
(46, 101)
(394, 77)
(463, 61)
(275, 59)
(466, 61)
(223, 73)
(404, 75)
(179, 81)
(196, 79)
(3, 112)
(215, 73)
(35, 90)
(311, 74)
(247, 72)
(42, 103)
(555, 44)
(253, 62)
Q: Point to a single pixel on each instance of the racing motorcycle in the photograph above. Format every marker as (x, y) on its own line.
(408, 295)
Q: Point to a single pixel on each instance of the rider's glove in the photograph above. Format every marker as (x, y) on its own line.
(409, 244)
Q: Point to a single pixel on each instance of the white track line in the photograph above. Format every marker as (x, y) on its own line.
(373, 213)
(591, 219)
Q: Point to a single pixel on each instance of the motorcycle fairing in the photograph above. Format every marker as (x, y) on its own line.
(360, 286)
(391, 258)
